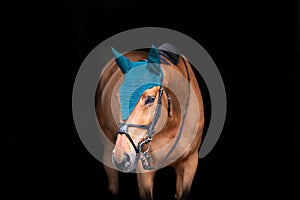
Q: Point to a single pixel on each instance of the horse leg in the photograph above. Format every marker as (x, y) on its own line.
(113, 184)
(145, 183)
(185, 172)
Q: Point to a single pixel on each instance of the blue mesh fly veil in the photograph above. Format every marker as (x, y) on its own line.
(138, 77)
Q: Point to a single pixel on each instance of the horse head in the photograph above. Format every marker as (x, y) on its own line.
(140, 98)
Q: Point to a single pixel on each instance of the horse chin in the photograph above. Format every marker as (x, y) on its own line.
(125, 165)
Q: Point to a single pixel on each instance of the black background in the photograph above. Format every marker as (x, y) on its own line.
(254, 45)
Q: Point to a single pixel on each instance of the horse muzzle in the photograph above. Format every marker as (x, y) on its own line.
(126, 164)
(126, 153)
(124, 161)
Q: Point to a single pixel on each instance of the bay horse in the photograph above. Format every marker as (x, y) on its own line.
(145, 119)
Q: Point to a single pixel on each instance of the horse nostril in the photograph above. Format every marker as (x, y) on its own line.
(126, 160)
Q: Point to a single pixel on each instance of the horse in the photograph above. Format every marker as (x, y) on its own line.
(147, 123)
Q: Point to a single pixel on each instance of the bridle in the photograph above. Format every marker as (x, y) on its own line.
(123, 127)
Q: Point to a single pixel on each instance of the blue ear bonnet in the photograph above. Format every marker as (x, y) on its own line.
(138, 77)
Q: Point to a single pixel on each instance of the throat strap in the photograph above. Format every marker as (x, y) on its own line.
(169, 102)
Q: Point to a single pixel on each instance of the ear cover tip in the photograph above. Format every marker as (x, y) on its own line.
(122, 62)
(115, 52)
(153, 55)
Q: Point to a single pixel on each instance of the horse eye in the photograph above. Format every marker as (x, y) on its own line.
(149, 100)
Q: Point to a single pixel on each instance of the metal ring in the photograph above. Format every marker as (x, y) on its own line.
(146, 140)
(147, 150)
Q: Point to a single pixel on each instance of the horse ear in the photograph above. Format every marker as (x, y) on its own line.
(153, 55)
(123, 62)
(154, 61)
